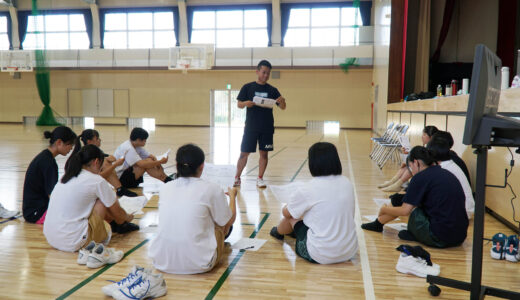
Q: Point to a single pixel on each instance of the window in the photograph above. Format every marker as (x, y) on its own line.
(56, 31)
(139, 30)
(230, 28)
(332, 26)
(4, 40)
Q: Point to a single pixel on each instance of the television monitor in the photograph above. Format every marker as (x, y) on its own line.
(484, 92)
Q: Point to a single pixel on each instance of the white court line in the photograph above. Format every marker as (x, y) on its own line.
(365, 265)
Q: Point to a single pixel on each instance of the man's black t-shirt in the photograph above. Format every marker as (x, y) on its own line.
(258, 119)
(40, 179)
(439, 193)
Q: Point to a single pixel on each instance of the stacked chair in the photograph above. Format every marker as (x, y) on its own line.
(388, 146)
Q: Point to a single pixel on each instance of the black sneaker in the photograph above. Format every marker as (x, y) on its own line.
(123, 191)
(274, 233)
(406, 235)
(123, 228)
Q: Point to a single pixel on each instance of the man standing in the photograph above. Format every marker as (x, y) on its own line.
(259, 127)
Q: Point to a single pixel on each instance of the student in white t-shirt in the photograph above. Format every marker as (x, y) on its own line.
(81, 203)
(321, 213)
(138, 161)
(194, 219)
(440, 150)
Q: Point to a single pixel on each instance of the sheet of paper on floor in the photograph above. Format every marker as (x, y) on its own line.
(397, 226)
(223, 175)
(380, 201)
(133, 205)
(248, 244)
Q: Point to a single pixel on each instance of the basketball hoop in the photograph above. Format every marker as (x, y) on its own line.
(11, 70)
(185, 68)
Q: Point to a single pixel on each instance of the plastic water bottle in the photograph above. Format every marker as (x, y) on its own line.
(439, 91)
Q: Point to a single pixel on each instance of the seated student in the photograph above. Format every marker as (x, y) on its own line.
(194, 219)
(403, 175)
(138, 161)
(81, 203)
(321, 214)
(42, 174)
(434, 201)
(440, 151)
(91, 137)
(453, 155)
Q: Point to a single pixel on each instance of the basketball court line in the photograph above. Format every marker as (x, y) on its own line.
(365, 265)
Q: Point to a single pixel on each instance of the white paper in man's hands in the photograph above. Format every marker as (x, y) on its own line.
(133, 205)
(405, 143)
(380, 201)
(264, 102)
(248, 244)
(165, 154)
(223, 175)
(284, 193)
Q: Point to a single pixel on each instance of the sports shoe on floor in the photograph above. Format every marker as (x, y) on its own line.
(274, 233)
(123, 228)
(7, 214)
(497, 249)
(102, 255)
(406, 235)
(123, 191)
(407, 264)
(237, 182)
(260, 183)
(130, 279)
(85, 252)
(147, 286)
(511, 248)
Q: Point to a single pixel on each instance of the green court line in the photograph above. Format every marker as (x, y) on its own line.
(101, 271)
(262, 212)
(271, 158)
(232, 265)
(299, 169)
(247, 224)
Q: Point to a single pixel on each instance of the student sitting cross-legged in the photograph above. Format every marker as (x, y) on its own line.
(321, 213)
(81, 203)
(434, 201)
(138, 161)
(194, 218)
(91, 137)
(42, 174)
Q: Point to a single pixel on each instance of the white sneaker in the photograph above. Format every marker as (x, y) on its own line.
(102, 255)
(130, 279)
(408, 264)
(85, 252)
(148, 286)
(7, 214)
(260, 183)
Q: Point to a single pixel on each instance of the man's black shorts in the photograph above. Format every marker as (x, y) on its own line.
(251, 138)
(128, 178)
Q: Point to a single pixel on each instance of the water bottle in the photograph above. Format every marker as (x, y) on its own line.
(439, 91)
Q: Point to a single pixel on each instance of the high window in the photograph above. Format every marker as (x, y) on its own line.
(56, 31)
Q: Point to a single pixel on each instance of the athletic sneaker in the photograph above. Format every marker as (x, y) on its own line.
(130, 279)
(237, 182)
(260, 183)
(511, 249)
(408, 264)
(498, 241)
(102, 255)
(7, 214)
(147, 286)
(85, 252)
(123, 228)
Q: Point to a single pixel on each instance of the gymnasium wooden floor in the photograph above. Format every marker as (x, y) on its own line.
(31, 269)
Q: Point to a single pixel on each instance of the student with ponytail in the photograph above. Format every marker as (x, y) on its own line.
(434, 202)
(194, 219)
(42, 174)
(81, 203)
(91, 137)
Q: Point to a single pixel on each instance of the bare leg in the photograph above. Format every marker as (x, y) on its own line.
(138, 171)
(102, 211)
(406, 176)
(286, 225)
(262, 163)
(241, 163)
(157, 172)
(383, 219)
(113, 180)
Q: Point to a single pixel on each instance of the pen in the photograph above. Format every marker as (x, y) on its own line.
(250, 247)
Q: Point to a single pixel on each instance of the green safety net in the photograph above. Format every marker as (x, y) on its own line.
(351, 61)
(43, 82)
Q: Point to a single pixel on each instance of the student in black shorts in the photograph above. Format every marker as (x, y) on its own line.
(259, 127)
(42, 174)
(434, 202)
